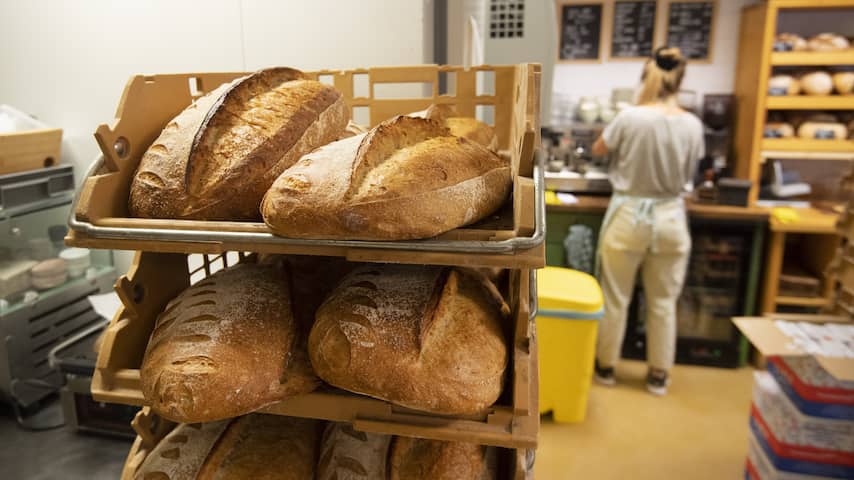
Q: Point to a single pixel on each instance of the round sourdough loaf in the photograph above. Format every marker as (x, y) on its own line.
(226, 346)
(346, 454)
(218, 157)
(406, 178)
(423, 337)
(257, 447)
(420, 459)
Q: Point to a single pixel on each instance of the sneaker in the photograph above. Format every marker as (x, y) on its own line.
(604, 375)
(657, 381)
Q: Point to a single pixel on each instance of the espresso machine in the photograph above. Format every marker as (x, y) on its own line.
(571, 166)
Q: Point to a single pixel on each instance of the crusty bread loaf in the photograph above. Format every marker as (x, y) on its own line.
(218, 157)
(260, 447)
(424, 337)
(346, 454)
(264, 447)
(460, 126)
(407, 178)
(226, 346)
(181, 453)
(419, 459)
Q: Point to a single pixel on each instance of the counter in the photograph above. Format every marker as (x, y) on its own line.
(599, 203)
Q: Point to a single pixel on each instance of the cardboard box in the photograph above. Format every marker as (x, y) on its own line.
(770, 340)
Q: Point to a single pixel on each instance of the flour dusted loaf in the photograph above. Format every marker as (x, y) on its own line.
(461, 126)
(218, 157)
(226, 346)
(346, 454)
(257, 447)
(424, 337)
(407, 178)
(420, 459)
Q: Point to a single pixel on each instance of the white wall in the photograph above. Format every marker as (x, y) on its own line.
(66, 62)
(577, 80)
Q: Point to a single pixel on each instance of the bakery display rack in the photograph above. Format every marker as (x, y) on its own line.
(513, 238)
(156, 278)
(173, 254)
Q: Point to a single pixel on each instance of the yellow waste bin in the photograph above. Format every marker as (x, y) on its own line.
(570, 306)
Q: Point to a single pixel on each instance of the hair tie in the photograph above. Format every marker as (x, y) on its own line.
(666, 63)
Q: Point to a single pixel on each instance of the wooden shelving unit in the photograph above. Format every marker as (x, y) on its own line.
(796, 59)
(810, 102)
(756, 60)
(815, 229)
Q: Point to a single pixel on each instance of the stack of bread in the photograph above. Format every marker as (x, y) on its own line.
(260, 446)
(810, 125)
(277, 146)
(823, 42)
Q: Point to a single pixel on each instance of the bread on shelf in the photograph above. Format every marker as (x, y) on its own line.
(254, 446)
(427, 338)
(217, 158)
(407, 178)
(227, 346)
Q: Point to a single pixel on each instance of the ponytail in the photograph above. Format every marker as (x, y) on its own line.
(662, 75)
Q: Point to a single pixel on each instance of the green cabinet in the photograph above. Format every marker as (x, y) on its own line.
(557, 228)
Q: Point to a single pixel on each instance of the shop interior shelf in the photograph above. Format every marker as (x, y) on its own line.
(802, 301)
(845, 57)
(807, 146)
(810, 102)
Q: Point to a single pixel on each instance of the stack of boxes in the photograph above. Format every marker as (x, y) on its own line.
(801, 422)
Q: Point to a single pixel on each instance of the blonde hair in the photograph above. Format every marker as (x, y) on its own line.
(662, 75)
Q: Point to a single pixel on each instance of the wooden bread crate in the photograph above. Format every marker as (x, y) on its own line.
(515, 464)
(31, 149)
(156, 278)
(513, 238)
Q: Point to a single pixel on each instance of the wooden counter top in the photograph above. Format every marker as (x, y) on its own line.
(599, 203)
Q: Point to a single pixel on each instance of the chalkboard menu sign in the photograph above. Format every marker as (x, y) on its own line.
(580, 31)
(634, 29)
(690, 26)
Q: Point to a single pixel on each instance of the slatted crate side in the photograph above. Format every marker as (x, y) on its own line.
(150, 102)
(155, 278)
(515, 464)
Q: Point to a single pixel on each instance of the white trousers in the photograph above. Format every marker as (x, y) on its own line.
(656, 241)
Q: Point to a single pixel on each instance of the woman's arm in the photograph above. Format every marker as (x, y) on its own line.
(599, 147)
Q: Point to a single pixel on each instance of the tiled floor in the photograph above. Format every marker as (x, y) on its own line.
(697, 432)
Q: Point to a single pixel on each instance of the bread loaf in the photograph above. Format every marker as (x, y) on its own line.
(828, 42)
(783, 85)
(226, 346)
(419, 459)
(346, 454)
(460, 126)
(424, 337)
(260, 447)
(785, 42)
(826, 131)
(778, 130)
(843, 82)
(407, 178)
(817, 83)
(218, 157)
(264, 447)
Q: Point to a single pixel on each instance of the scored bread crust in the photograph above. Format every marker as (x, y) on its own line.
(346, 454)
(226, 346)
(459, 126)
(419, 336)
(407, 178)
(218, 157)
(417, 458)
(181, 453)
(264, 447)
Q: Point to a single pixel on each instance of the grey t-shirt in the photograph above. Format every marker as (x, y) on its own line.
(654, 154)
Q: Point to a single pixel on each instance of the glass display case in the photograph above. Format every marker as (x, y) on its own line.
(43, 285)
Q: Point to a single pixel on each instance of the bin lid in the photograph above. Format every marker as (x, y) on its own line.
(570, 294)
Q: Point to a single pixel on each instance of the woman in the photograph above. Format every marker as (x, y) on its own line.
(655, 146)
